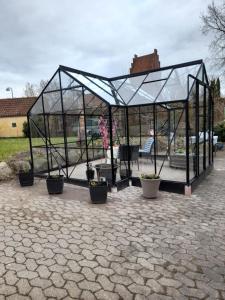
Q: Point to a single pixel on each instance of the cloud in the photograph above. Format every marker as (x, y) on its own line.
(98, 36)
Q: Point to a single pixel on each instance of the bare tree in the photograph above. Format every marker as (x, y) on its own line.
(33, 90)
(214, 23)
(30, 90)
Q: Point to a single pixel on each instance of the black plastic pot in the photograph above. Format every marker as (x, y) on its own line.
(26, 178)
(125, 174)
(90, 174)
(55, 184)
(105, 170)
(98, 192)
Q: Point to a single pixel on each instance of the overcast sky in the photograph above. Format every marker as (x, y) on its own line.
(98, 36)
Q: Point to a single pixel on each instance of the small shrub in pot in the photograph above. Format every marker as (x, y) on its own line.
(55, 184)
(98, 191)
(26, 175)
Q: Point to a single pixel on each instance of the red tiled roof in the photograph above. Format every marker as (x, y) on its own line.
(15, 106)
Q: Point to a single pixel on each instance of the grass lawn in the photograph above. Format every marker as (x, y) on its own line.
(10, 146)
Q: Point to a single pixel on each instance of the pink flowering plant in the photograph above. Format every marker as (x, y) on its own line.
(104, 131)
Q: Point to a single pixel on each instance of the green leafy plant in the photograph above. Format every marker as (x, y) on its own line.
(25, 129)
(54, 176)
(219, 130)
(97, 183)
(24, 166)
(150, 176)
(180, 150)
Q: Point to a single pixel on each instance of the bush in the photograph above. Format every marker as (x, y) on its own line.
(219, 130)
(25, 129)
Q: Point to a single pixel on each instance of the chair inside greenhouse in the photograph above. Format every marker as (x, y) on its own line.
(163, 117)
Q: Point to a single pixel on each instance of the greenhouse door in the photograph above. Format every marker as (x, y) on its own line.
(203, 131)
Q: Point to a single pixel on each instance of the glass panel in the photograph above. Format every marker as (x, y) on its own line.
(96, 89)
(37, 107)
(158, 75)
(37, 126)
(130, 87)
(52, 102)
(176, 86)
(192, 134)
(147, 93)
(38, 143)
(173, 132)
(201, 127)
(73, 101)
(54, 84)
(67, 81)
(94, 105)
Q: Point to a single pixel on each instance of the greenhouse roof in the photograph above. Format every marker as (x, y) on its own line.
(172, 83)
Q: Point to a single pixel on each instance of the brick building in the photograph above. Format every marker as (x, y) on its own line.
(145, 62)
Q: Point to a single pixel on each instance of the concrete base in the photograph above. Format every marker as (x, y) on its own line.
(187, 190)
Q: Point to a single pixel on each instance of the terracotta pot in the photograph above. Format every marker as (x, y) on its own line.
(150, 187)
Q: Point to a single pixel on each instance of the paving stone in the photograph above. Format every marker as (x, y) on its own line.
(123, 292)
(7, 289)
(155, 286)
(193, 292)
(40, 282)
(54, 292)
(74, 266)
(73, 276)
(27, 274)
(139, 289)
(102, 261)
(37, 293)
(10, 277)
(43, 271)
(23, 286)
(118, 279)
(88, 273)
(57, 279)
(103, 271)
(106, 295)
(86, 295)
(72, 289)
(17, 297)
(169, 282)
(89, 285)
(105, 282)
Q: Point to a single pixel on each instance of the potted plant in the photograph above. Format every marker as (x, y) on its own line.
(150, 185)
(90, 173)
(98, 191)
(124, 173)
(55, 184)
(26, 175)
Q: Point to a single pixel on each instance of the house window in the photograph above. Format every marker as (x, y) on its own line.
(13, 124)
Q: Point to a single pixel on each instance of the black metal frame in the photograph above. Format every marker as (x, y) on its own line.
(107, 85)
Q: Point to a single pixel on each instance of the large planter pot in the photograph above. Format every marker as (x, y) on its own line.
(98, 192)
(26, 178)
(90, 174)
(125, 174)
(150, 187)
(105, 170)
(55, 184)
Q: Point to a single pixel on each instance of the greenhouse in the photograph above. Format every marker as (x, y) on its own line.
(87, 126)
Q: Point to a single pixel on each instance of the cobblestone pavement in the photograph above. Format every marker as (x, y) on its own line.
(63, 247)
